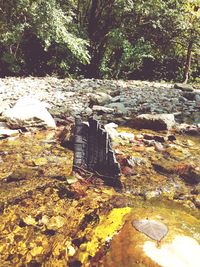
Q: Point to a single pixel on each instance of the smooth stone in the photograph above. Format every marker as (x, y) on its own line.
(155, 122)
(102, 109)
(184, 87)
(116, 99)
(29, 112)
(99, 98)
(119, 107)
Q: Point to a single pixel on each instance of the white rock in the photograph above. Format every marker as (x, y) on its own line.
(183, 251)
(111, 130)
(127, 136)
(102, 109)
(154, 121)
(3, 106)
(5, 131)
(29, 112)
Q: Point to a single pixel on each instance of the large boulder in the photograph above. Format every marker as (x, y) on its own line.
(184, 87)
(3, 106)
(29, 113)
(157, 122)
(99, 98)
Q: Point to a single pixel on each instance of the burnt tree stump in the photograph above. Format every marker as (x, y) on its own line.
(93, 151)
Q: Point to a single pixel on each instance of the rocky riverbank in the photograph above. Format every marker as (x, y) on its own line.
(52, 216)
(110, 100)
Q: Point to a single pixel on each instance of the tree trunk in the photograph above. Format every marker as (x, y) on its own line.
(99, 23)
(188, 62)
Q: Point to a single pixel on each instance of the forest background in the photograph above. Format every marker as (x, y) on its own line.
(112, 39)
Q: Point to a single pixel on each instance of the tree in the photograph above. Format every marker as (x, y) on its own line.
(192, 33)
(44, 23)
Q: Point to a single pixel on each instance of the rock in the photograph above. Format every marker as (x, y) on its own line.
(55, 223)
(28, 113)
(117, 136)
(66, 137)
(152, 194)
(197, 201)
(116, 99)
(188, 172)
(181, 251)
(128, 171)
(6, 132)
(197, 97)
(155, 122)
(102, 109)
(126, 136)
(184, 87)
(3, 106)
(118, 107)
(189, 95)
(188, 129)
(171, 137)
(157, 138)
(115, 93)
(88, 111)
(40, 161)
(20, 174)
(29, 220)
(111, 130)
(158, 147)
(99, 98)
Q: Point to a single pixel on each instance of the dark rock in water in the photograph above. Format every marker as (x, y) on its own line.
(157, 138)
(188, 172)
(171, 137)
(153, 229)
(93, 152)
(157, 122)
(183, 87)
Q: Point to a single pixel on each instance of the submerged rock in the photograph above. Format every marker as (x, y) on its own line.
(183, 251)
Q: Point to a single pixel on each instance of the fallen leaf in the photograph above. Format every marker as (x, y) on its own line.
(153, 229)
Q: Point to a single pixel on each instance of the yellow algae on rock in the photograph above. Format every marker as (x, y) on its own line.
(40, 161)
(106, 229)
(29, 220)
(36, 251)
(55, 222)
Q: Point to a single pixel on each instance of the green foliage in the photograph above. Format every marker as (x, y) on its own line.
(47, 21)
(140, 39)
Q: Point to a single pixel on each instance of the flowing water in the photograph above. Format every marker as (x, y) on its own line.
(50, 217)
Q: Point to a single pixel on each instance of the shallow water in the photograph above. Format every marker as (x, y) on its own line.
(51, 218)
